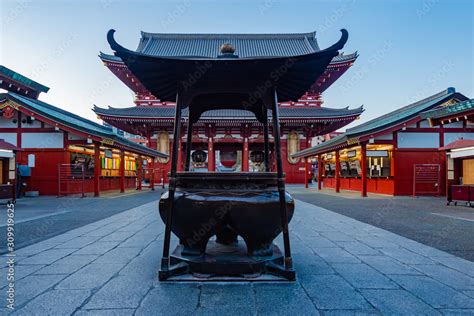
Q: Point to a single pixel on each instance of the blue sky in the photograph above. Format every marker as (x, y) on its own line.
(408, 49)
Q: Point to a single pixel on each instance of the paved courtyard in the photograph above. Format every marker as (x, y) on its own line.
(43, 217)
(425, 219)
(343, 266)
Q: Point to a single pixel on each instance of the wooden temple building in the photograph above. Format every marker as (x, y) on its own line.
(229, 137)
(419, 149)
(58, 152)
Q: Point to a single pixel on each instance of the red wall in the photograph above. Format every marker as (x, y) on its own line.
(44, 176)
(404, 164)
(292, 171)
(374, 185)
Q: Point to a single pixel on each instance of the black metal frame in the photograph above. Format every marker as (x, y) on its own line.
(281, 180)
(171, 268)
(165, 261)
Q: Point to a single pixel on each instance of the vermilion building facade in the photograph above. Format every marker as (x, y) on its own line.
(58, 152)
(398, 153)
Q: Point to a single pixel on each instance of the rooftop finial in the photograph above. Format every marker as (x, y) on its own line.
(227, 48)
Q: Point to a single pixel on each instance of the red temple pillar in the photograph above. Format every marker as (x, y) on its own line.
(211, 164)
(180, 156)
(245, 155)
(152, 179)
(306, 172)
(122, 171)
(139, 172)
(320, 171)
(363, 164)
(97, 168)
(338, 172)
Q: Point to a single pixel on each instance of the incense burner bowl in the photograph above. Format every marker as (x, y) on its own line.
(226, 205)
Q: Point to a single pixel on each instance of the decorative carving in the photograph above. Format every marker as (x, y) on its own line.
(107, 141)
(163, 145)
(292, 146)
(8, 109)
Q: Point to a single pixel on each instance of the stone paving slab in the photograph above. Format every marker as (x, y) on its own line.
(344, 267)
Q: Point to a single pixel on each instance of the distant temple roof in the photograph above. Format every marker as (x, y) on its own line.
(12, 81)
(457, 109)
(76, 122)
(383, 122)
(153, 112)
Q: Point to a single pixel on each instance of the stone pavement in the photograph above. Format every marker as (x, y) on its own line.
(44, 217)
(424, 219)
(343, 267)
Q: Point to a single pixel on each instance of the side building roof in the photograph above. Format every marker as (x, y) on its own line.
(20, 79)
(76, 122)
(450, 110)
(384, 122)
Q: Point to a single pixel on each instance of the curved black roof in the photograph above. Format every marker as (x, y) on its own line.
(212, 83)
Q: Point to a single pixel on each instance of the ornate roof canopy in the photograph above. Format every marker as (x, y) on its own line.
(208, 83)
(246, 46)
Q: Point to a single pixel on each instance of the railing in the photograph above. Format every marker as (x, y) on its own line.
(71, 179)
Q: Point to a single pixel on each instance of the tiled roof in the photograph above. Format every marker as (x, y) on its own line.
(76, 122)
(449, 110)
(13, 75)
(285, 112)
(460, 143)
(385, 121)
(246, 45)
(7, 146)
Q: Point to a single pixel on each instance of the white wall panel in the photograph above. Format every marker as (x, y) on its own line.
(451, 137)
(418, 140)
(42, 140)
(9, 138)
(8, 123)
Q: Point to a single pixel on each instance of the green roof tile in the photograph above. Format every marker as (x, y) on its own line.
(385, 121)
(449, 110)
(22, 79)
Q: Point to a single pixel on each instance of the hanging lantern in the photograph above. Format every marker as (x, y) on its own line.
(228, 158)
(292, 146)
(257, 157)
(199, 156)
(163, 145)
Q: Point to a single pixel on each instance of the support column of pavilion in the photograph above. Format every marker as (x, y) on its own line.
(97, 169)
(189, 140)
(337, 174)
(307, 172)
(122, 171)
(139, 172)
(320, 172)
(266, 143)
(281, 182)
(165, 260)
(245, 133)
(363, 163)
(211, 156)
